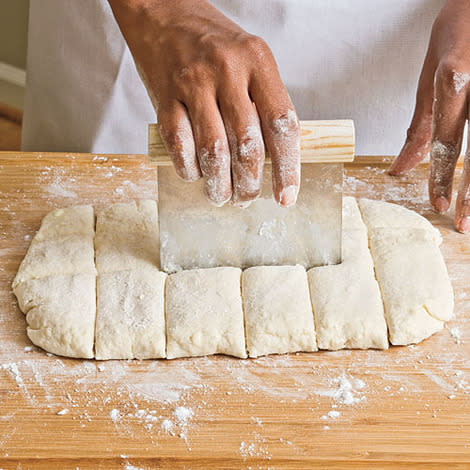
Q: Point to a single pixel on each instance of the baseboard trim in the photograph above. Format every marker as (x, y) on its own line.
(12, 74)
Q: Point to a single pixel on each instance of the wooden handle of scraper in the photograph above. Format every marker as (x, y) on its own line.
(320, 142)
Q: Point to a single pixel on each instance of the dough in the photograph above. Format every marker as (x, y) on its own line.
(60, 312)
(278, 312)
(55, 284)
(346, 297)
(204, 313)
(143, 313)
(61, 223)
(65, 256)
(127, 236)
(63, 245)
(415, 286)
(130, 320)
(380, 214)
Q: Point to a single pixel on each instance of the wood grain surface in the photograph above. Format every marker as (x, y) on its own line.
(408, 407)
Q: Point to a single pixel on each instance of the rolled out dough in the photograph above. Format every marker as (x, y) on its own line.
(393, 276)
(346, 298)
(278, 312)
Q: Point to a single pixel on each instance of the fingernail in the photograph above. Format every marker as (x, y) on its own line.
(288, 196)
(188, 176)
(241, 204)
(441, 204)
(217, 194)
(463, 225)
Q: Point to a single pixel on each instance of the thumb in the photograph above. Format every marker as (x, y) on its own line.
(418, 139)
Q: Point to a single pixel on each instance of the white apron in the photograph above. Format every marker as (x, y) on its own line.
(356, 59)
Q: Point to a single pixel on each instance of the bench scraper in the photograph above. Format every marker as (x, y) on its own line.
(195, 234)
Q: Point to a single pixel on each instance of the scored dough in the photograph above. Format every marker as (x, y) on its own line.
(130, 320)
(55, 284)
(60, 312)
(60, 223)
(65, 256)
(416, 289)
(63, 245)
(278, 312)
(204, 313)
(127, 236)
(346, 297)
(404, 286)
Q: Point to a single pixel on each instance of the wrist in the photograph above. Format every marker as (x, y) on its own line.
(136, 13)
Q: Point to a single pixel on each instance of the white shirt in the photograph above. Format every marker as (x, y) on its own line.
(357, 59)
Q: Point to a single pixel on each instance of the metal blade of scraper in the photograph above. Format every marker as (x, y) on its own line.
(195, 234)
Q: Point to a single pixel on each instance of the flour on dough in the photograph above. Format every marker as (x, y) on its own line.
(60, 312)
(380, 214)
(346, 297)
(130, 320)
(127, 236)
(139, 312)
(416, 289)
(62, 223)
(55, 284)
(278, 311)
(62, 246)
(204, 313)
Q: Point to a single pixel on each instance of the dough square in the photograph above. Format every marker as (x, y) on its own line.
(60, 312)
(346, 297)
(204, 313)
(61, 223)
(127, 236)
(130, 321)
(278, 312)
(52, 257)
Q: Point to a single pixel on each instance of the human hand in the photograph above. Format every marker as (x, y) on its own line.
(217, 92)
(441, 111)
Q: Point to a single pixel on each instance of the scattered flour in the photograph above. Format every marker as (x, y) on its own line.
(455, 333)
(168, 425)
(255, 448)
(345, 390)
(183, 414)
(115, 415)
(57, 189)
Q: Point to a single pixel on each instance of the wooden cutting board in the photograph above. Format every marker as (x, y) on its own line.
(408, 407)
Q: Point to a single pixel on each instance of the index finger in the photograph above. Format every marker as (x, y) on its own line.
(281, 131)
(449, 116)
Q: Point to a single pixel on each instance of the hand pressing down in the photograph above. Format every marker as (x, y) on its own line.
(442, 108)
(217, 93)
